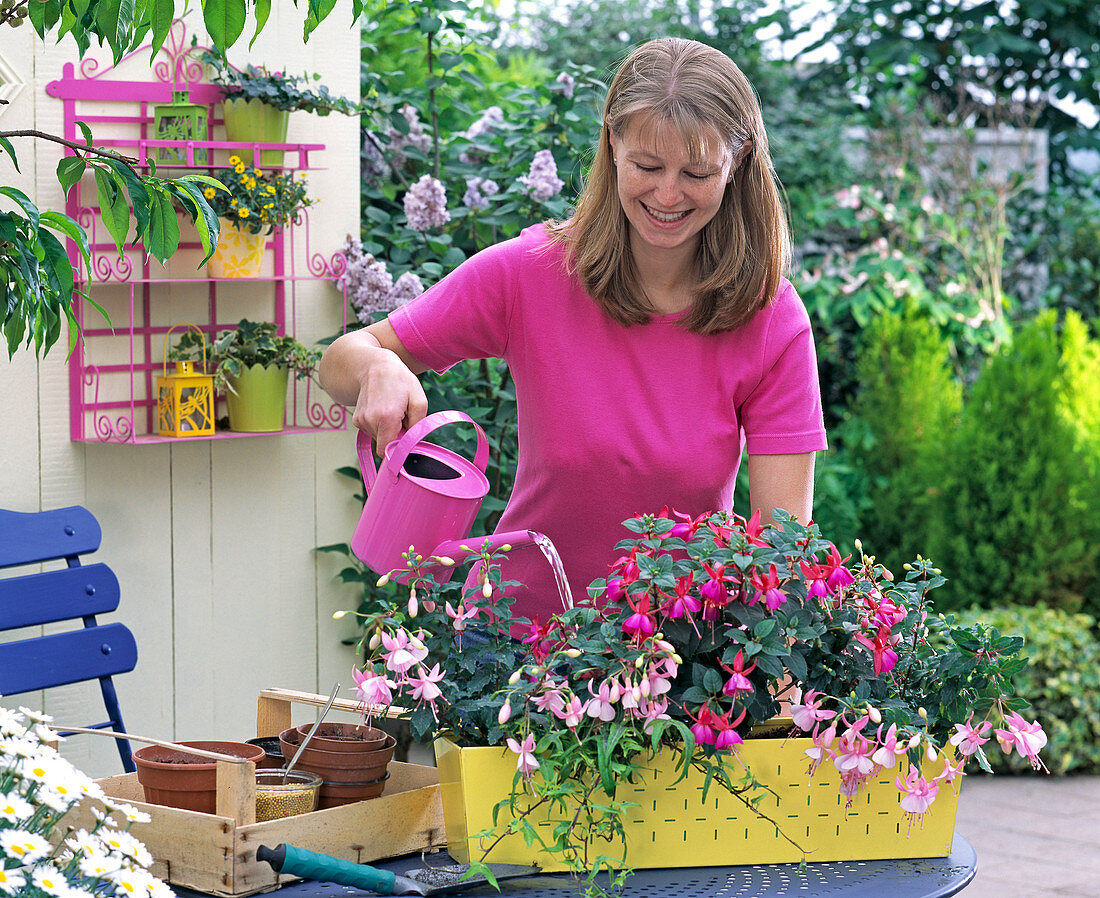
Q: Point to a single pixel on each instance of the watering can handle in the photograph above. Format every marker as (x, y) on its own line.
(415, 434)
(409, 441)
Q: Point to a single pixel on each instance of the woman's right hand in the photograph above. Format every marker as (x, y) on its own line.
(371, 370)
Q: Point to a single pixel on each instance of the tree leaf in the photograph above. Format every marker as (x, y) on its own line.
(114, 21)
(261, 10)
(70, 170)
(67, 226)
(206, 220)
(85, 130)
(161, 14)
(112, 206)
(224, 20)
(24, 203)
(5, 145)
(137, 190)
(163, 234)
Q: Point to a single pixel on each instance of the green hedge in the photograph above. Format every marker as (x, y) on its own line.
(1062, 682)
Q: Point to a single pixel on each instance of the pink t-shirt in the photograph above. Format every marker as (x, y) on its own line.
(614, 421)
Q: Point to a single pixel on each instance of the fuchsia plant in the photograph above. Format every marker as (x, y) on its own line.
(702, 628)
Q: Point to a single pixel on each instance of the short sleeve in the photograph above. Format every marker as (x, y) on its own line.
(467, 314)
(782, 415)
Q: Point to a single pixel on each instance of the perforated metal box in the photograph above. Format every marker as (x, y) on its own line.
(671, 826)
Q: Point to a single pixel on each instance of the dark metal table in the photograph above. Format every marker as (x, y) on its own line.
(913, 878)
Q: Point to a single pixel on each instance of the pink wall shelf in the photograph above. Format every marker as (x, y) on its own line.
(113, 371)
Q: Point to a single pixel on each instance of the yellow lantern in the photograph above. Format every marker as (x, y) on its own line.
(185, 398)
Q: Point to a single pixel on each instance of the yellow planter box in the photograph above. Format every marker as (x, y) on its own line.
(672, 827)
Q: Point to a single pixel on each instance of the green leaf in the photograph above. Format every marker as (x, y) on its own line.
(85, 130)
(6, 145)
(114, 21)
(70, 170)
(163, 235)
(261, 11)
(161, 14)
(205, 219)
(112, 206)
(67, 226)
(224, 20)
(137, 190)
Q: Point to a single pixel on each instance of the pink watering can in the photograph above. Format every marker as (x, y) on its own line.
(425, 496)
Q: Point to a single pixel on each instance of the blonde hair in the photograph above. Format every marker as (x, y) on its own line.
(744, 250)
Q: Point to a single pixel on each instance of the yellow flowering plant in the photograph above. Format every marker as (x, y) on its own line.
(257, 201)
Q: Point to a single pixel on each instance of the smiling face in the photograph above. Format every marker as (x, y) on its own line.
(668, 189)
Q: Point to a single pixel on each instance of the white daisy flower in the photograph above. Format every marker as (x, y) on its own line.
(100, 865)
(131, 883)
(128, 845)
(50, 880)
(26, 847)
(14, 807)
(35, 715)
(11, 722)
(132, 814)
(11, 881)
(83, 842)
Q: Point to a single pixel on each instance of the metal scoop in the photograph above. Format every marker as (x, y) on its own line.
(313, 730)
(424, 881)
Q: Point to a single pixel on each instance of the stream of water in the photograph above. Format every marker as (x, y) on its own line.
(551, 553)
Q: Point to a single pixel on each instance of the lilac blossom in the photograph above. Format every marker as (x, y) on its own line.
(405, 288)
(478, 191)
(566, 81)
(368, 283)
(416, 138)
(426, 204)
(490, 119)
(542, 182)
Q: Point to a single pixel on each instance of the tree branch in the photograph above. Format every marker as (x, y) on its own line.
(72, 144)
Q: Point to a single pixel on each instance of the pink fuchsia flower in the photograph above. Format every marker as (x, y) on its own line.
(839, 576)
(767, 588)
(918, 793)
(602, 704)
(426, 204)
(373, 689)
(425, 686)
(853, 752)
(727, 736)
(572, 713)
(951, 773)
(526, 763)
(1027, 738)
(738, 681)
(806, 714)
(550, 699)
(460, 616)
(883, 655)
(683, 604)
(704, 727)
(658, 683)
(754, 530)
(715, 593)
(642, 623)
(402, 651)
(688, 526)
(888, 748)
(538, 638)
(821, 747)
(541, 181)
(968, 738)
(815, 575)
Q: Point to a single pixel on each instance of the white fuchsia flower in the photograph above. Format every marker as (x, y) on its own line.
(541, 181)
(426, 204)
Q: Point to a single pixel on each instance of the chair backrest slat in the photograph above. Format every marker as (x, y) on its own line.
(47, 661)
(74, 593)
(30, 537)
(66, 594)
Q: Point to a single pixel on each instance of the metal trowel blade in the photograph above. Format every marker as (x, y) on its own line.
(441, 880)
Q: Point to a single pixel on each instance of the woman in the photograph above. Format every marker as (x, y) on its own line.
(645, 335)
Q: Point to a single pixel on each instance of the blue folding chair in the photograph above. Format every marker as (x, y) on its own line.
(76, 592)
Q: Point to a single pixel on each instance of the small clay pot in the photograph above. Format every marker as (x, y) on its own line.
(336, 794)
(339, 766)
(343, 737)
(273, 752)
(177, 779)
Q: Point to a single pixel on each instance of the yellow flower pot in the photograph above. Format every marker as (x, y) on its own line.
(671, 823)
(239, 254)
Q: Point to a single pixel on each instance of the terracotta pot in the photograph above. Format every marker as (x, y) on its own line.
(273, 752)
(339, 766)
(179, 780)
(343, 737)
(335, 794)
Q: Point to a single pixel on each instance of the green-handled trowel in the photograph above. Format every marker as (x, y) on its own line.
(422, 881)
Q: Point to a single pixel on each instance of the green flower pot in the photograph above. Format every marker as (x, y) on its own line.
(252, 121)
(259, 402)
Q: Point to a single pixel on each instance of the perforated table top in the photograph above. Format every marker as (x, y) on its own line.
(911, 878)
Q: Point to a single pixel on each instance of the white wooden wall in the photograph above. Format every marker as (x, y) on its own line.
(212, 541)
